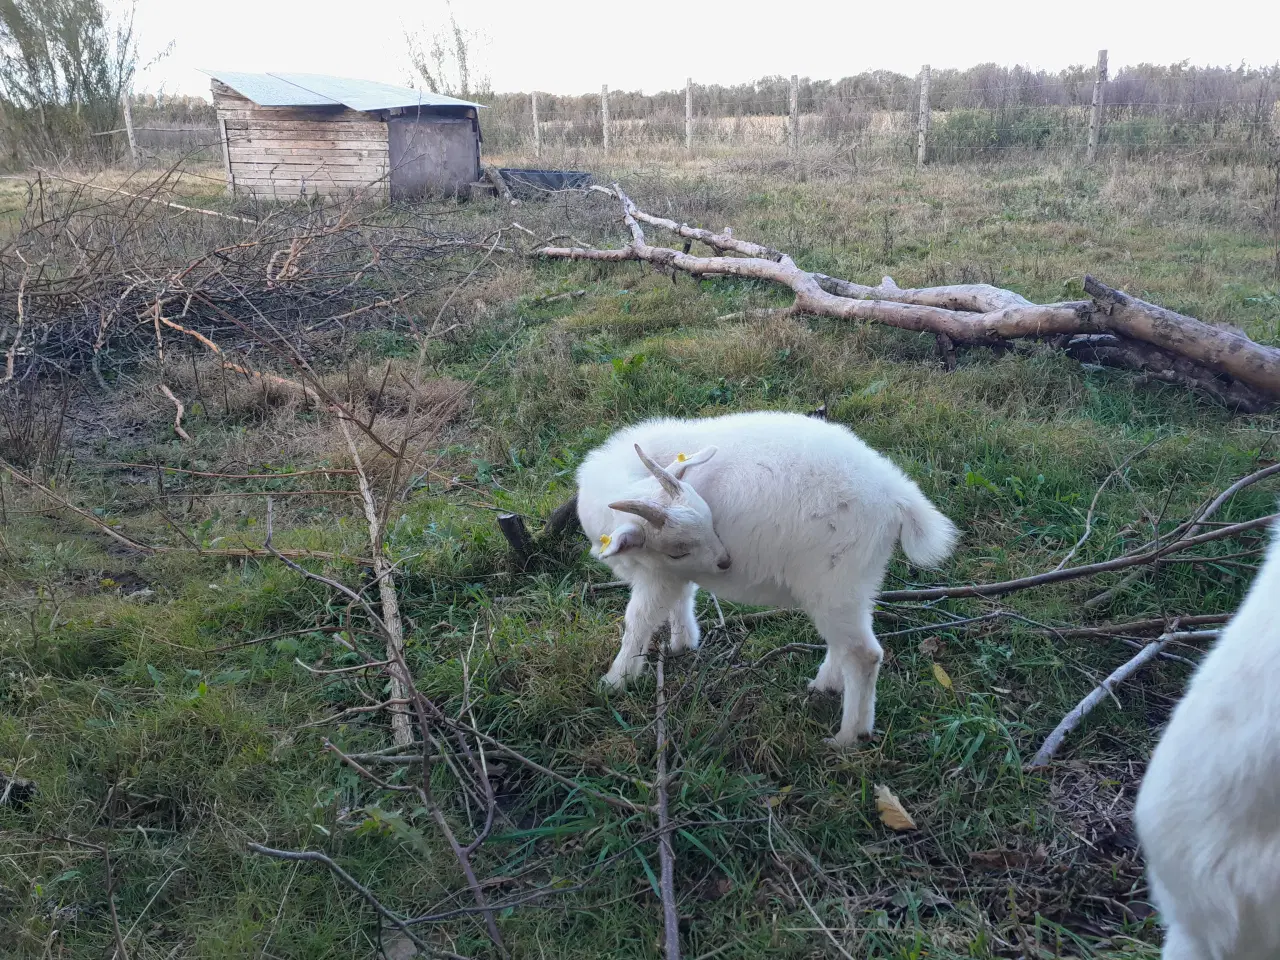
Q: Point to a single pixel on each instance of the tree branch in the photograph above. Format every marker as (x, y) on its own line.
(1123, 672)
(1163, 344)
(1073, 573)
(177, 416)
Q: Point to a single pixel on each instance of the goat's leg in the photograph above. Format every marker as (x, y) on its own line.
(830, 678)
(855, 652)
(685, 634)
(647, 609)
(1179, 945)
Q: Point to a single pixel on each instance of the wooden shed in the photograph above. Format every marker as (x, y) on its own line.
(289, 134)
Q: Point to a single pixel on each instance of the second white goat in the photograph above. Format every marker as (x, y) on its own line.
(758, 508)
(1208, 813)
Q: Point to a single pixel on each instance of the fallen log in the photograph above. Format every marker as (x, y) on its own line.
(1111, 328)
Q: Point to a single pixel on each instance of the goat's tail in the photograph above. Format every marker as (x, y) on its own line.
(927, 535)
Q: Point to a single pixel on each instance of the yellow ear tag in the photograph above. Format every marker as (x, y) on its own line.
(605, 540)
(681, 458)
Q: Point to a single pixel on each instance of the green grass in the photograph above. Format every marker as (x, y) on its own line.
(145, 734)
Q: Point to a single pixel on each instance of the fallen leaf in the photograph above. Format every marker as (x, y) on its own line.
(892, 813)
(930, 646)
(779, 796)
(943, 678)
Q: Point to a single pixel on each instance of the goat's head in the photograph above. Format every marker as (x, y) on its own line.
(675, 528)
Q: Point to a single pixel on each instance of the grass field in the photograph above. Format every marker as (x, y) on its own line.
(162, 705)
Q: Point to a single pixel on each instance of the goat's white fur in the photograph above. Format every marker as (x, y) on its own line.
(760, 508)
(1208, 812)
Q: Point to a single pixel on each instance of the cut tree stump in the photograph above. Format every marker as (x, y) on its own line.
(513, 528)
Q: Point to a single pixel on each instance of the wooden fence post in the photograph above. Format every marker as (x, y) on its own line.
(795, 114)
(922, 125)
(226, 156)
(537, 127)
(128, 125)
(688, 114)
(604, 115)
(1099, 105)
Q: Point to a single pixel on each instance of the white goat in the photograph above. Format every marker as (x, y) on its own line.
(1208, 812)
(758, 508)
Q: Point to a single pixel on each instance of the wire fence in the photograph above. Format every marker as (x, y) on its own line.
(1217, 114)
(989, 112)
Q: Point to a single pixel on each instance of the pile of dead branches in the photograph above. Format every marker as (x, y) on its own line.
(1111, 328)
(98, 278)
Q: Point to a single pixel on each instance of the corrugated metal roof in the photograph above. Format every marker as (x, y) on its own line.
(370, 94)
(270, 91)
(317, 89)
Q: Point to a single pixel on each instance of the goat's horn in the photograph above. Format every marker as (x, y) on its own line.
(642, 508)
(669, 483)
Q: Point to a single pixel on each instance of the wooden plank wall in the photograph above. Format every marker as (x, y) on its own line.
(279, 152)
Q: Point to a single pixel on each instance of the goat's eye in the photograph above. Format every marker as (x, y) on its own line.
(678, 556)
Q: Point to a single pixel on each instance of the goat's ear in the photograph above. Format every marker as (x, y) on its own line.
(683, 462)
(655, 513)
(629, 536)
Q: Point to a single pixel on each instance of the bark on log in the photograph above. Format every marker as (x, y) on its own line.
(1223, 349)
(1163, 345)
(1156, 364)
(500, 184)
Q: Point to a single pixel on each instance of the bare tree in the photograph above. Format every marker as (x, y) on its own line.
(444, 59)
(64, 65)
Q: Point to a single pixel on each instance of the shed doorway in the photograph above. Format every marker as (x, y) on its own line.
(431, 155)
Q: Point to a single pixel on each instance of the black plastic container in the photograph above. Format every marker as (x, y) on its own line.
(531, 184)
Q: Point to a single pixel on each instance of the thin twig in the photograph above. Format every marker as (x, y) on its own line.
(619, 802)
(1074, 573)
(111, 902)
(84, 514)
(1093, 505)
(228, 476)
(177, 416)
(1105, 689)
(799, 892)
(275, 636)
(1189, 528)
(778, 651)
(392, 628)
(355, 765)
(358, 887)
(138, 196)
(12, 352)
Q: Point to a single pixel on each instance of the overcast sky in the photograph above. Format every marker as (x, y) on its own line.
(576, 47)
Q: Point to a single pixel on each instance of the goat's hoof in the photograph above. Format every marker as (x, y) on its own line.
(677, 647)
(822, 689)
(609, 683)
(839, 742)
